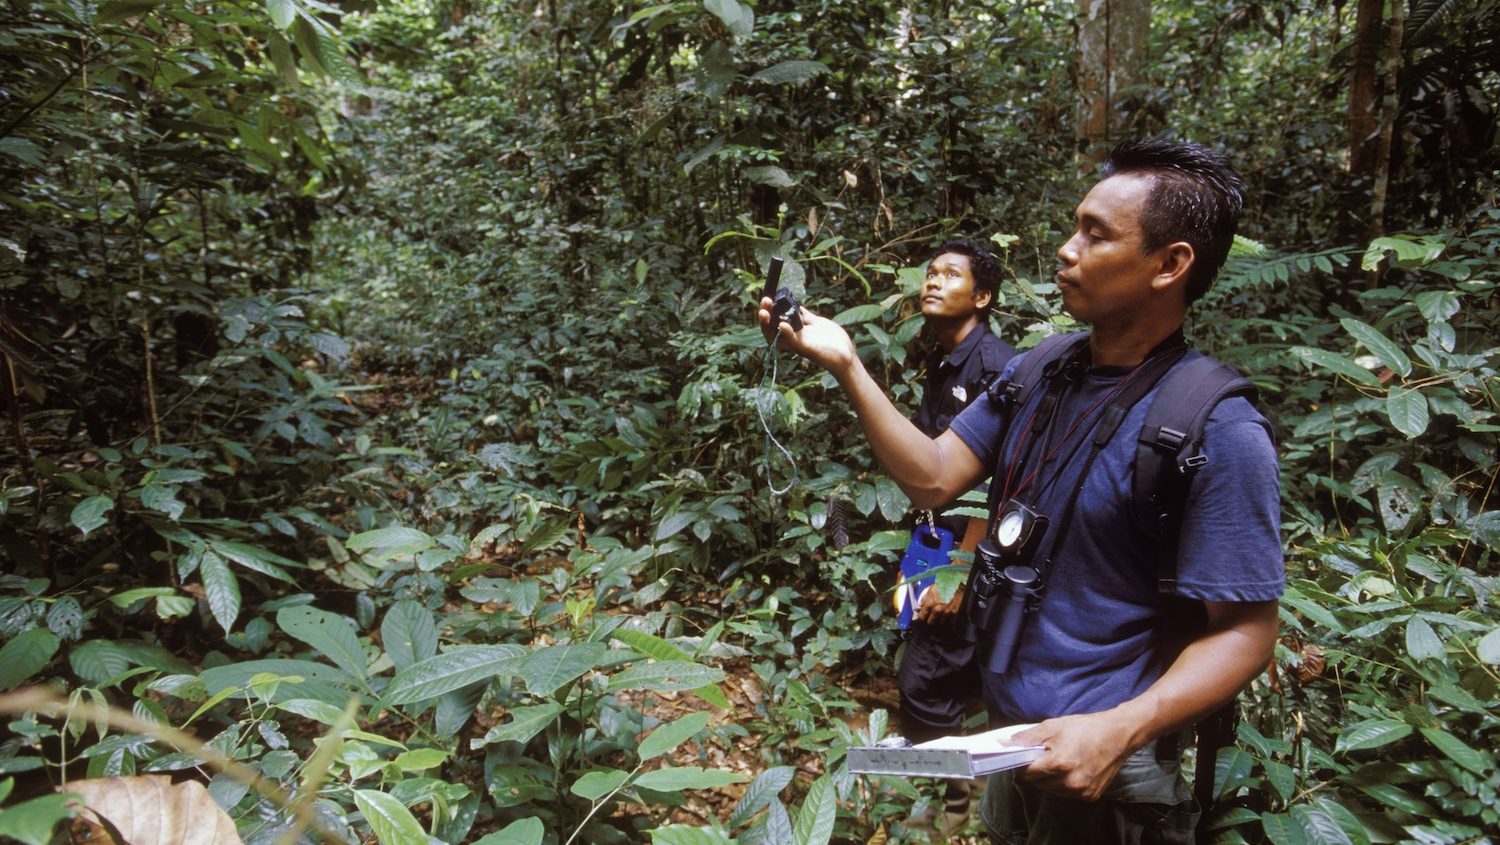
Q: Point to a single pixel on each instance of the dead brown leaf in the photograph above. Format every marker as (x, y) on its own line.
(151, 810)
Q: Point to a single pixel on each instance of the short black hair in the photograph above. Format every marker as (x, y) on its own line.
(983, 265)
(1196, 197)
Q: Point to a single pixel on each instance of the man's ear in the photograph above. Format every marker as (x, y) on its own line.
(982, 299)
(1176, 262)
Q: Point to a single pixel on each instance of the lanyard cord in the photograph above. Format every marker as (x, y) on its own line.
(1150, 370)
(771, 440)
(1049, 454)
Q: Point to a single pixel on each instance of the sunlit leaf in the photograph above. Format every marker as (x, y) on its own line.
(391, 822)
(25, 655)
(525, 723)
(1371, 733)
(672, 734)
(329, 634)
(89, 513)
(451, 670)
(1390, 354)
(595, 785)
(819, 810)
(222, 589)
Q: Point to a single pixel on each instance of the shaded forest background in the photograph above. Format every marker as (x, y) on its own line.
(381, 394)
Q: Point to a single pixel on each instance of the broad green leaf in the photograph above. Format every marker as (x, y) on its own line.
(128, 598)
(1282, 829)
(1371, 733)
(673, 524)
(1411, 250)
(649, 644)
(1390, 795)
(1423, 643)
(1489, 647)
(31, 822)
(408, 633)
(317, 680)
(705, 153)
(1282, 778)
(858, 314)
(163, 498)
(382, 544)
(1320, 828)
(256, 559)
(525, 723)
(318, 711)
(1232, 768)
(283, 12)
(681, 834)
(666, 676)
(1438, 305)
(1458, 751)
(815, 819)
(89, 513)
(96, 661)
(769, 175)
(676, 779)
(671, 735)
(761, 792)
(388, 818)
(25, 655)
(327, 633)
(892, 502)
(1346, 820)
(1334, 362)
(595, 785)
(658, 648)
(174, 607)
(547, 669)
(1407, 409)
(520, 832)
(420, 759)
(222, 589)
(451, 670)
(1390, 354)
(738, 17)
(790, 72)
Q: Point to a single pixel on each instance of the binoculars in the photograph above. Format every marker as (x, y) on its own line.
(1004, 585)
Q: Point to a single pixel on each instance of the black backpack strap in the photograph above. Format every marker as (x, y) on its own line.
(1170, 450)
(1032, 370)
(1037, 368)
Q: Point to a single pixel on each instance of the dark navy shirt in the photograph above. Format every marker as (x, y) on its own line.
(954, 380)
(1094, 641)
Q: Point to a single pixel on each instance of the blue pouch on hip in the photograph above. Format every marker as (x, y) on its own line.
(929, 549)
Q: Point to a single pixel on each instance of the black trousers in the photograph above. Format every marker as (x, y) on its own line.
(937, 676)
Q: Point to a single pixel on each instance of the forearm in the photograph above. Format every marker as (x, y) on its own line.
(1211, 670)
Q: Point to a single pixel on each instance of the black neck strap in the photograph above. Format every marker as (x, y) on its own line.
(1138, 382)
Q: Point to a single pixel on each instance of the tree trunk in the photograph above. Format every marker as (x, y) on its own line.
(1114, 39)
(1364, 104)
(1391, 105)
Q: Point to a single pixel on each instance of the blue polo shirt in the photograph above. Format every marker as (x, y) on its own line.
(1094, 643)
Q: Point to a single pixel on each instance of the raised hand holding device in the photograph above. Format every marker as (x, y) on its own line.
(784, 304)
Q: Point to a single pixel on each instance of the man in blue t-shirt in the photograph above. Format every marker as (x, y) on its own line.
(1092, 665)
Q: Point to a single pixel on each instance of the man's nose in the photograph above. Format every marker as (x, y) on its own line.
(1067, 253)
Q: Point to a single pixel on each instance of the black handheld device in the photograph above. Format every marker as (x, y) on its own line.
(784, 304)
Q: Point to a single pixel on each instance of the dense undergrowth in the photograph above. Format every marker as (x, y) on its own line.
(397, 436)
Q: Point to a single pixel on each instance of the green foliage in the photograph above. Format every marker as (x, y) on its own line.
(382, 400)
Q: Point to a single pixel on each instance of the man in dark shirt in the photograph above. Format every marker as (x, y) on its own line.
(937, 675)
